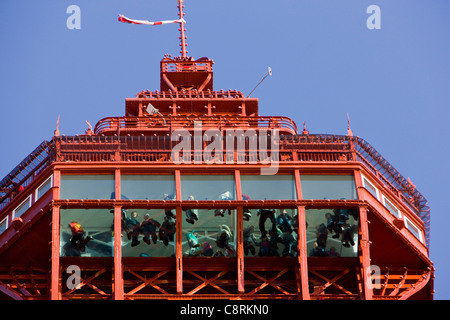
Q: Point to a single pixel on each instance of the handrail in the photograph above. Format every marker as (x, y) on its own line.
(192, 94)
(183, 66)
(26, 172)
(407, 192)
(156, 123)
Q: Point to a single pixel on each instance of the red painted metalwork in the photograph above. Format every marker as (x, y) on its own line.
(182, 30)
(140, 143)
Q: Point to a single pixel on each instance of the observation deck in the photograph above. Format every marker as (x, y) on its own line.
(38, 186)
(241, 206)
(308, 149)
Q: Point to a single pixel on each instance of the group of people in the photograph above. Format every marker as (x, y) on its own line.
(224, 236)
(283, 231)
(149, 228)
(337, 224)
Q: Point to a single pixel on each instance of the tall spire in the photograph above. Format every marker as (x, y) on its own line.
(183, 43)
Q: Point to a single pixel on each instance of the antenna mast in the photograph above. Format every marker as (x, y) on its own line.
(182, 29)
(269, 73)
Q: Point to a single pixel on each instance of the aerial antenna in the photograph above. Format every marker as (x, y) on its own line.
(269, 73)
(181, 21)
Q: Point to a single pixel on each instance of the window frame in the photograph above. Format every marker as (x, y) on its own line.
(184, 175)
(304, 188)
(22, 203)
(4, 222)
(111, 179)
(244, 175)
(36, 194)
(125, 176)
(366, 181)
(384, 200)
(416, 230)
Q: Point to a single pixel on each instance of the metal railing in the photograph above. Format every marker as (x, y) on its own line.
(26, 172)
(168, 124)
(191, 94)
(170, 65)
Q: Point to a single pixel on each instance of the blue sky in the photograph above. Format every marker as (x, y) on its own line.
(393, 82)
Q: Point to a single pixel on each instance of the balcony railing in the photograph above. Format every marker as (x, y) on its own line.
(191, 94)
(160, 124)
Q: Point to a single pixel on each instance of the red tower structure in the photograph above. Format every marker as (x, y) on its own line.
(195, 195)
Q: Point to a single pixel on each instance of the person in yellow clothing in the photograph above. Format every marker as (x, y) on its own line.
(79, 238)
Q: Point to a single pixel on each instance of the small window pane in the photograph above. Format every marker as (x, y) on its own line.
(328, 187)
(208, 187)
(44, 188)
(3, 225)
(24, 206)
(392, 209)
(148, 187)
(332, 232)
(275, 187)
(414, 230)
(87, 187)
(370, 187)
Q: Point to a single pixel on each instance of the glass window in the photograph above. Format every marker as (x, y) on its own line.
(270, 232)
(87, 187)
(86, 233)
(24, 206)
(414, 230)
(44, 188)
(274, 187)
(370, 187)
(332, 232)
(392, 209)
(3, 225)
(148, 233)
(148, 187)
(328, 187)
(209, 233)
(208, 187)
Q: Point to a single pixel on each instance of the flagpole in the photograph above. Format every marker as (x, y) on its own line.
(181, 21)
(182, 30)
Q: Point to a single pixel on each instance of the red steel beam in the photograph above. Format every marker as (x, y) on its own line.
(55, 288)
(179, 251)
(118, 273)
